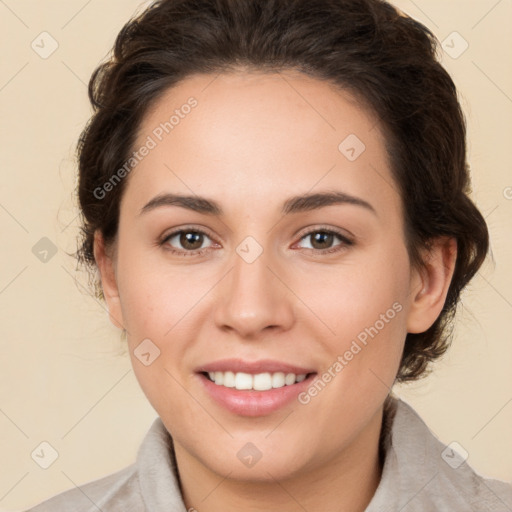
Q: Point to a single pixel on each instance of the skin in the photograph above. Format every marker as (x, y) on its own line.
(253, 141)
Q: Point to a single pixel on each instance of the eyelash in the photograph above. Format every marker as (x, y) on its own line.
(345, 241)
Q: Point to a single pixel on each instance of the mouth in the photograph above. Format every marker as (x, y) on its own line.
(255, 382)
(253, 388)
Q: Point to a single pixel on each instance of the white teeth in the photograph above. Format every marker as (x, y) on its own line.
(257, 382)
(289, 379)
(278, 380)
(262, 381)
(229, 380)
(243, 381)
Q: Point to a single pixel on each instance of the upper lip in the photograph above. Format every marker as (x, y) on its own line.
(253, 367)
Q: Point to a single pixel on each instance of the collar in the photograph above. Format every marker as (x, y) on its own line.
(415, 475)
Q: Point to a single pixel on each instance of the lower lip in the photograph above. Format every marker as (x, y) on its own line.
(254, 403)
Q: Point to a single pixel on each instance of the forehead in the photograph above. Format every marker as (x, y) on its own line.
(260, 134)
(289, 104)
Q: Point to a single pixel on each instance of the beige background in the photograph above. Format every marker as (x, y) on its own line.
(64, 377)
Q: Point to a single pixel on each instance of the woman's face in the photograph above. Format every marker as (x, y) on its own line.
(276, 250)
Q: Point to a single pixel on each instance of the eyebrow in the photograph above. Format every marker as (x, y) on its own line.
(296, 204)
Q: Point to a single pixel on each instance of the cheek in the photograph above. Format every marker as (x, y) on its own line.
(155, 297)
(157, 310)
(362, 307)
(160, 307)
(351, 297)
(365, 307)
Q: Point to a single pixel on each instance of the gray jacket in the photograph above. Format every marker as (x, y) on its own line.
(420, 474)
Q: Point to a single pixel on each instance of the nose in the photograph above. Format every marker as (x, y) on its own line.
(253, 298)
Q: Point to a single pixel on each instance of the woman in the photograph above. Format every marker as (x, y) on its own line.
(275, 196)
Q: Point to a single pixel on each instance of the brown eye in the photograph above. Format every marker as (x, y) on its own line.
(325, 240)
(186, 241)
(191, 240)
(321, 240)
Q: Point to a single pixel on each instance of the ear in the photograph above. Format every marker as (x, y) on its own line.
(430, 284)
(106, 268)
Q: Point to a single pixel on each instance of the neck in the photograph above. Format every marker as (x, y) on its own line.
(346, 481)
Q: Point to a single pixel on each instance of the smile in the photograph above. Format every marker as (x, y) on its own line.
(256, 388)
(257, 382)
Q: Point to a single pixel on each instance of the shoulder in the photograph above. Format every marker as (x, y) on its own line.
(151, 483)
(422, 474)
(117, 491)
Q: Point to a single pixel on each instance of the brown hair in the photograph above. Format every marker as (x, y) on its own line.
(364, 46)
